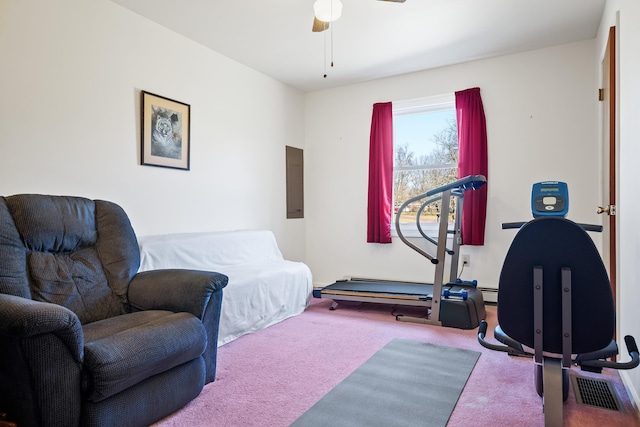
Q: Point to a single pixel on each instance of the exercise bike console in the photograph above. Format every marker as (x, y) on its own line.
(549, 198)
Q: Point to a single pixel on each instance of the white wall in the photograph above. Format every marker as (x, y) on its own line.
(625, 15)
(541, 112)
(70, 79)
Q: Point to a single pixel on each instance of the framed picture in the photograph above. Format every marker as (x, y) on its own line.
(165, 132)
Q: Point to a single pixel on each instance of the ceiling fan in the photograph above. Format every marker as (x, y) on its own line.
(326, 11)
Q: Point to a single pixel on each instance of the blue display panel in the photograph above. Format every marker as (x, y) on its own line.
(550, 198)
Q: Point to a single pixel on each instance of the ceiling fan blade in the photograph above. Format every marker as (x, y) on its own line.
(319, 26)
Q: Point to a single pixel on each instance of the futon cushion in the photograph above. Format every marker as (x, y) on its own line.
(123, 350)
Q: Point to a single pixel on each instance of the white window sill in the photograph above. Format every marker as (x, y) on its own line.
(411, 231)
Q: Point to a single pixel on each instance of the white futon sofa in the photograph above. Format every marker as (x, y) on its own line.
(263, 287)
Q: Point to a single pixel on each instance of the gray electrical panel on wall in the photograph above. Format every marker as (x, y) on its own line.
(295, 183)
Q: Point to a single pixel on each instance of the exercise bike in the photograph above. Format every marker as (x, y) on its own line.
(555, 302)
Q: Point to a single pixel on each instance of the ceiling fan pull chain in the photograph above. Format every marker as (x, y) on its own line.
(331, 29)
(324, 52)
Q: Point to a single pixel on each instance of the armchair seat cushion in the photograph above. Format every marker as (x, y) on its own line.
(122, 351)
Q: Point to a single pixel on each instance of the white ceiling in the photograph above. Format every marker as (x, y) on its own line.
(372, 39)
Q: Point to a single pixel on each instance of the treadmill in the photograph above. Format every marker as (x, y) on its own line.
(458, 303)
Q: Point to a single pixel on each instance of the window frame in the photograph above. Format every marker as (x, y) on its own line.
(430, 104)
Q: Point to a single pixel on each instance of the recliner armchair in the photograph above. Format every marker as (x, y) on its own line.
(84, 338)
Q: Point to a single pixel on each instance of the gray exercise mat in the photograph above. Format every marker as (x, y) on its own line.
(406, 383)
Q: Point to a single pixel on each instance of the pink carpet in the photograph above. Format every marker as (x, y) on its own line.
(270, 378)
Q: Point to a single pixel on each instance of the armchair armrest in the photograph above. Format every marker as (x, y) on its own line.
(175, 290)
(193, 291)
(24, 318)
(42, 352)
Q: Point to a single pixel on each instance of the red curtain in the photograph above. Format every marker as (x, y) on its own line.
(472, 160)
(380, 174)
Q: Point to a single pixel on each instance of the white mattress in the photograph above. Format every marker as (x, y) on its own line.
(263, 287)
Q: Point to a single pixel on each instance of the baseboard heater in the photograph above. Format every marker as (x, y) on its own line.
(489, 294)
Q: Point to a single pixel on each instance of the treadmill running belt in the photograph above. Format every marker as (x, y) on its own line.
(409, 290)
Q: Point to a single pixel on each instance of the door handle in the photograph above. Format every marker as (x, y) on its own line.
(609, 210)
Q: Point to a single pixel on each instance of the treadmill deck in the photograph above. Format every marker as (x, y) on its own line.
(380, 289)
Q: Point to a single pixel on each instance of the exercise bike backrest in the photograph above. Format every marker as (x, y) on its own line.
(554, 243)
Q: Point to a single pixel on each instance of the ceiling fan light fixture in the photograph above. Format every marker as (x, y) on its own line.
(327, 10)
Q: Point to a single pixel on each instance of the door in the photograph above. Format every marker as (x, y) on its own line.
(608, 97)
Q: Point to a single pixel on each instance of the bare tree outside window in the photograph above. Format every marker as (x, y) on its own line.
(424, 162)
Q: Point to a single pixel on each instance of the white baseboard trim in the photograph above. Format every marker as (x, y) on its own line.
(631, 391)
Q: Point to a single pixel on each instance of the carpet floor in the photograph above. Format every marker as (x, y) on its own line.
(270, 378)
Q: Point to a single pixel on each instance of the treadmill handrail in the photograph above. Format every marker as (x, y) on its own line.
(419, 223)
(404, 239)
(460, 186)
(457, 189)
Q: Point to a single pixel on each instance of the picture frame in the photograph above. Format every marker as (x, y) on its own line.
(166, 125)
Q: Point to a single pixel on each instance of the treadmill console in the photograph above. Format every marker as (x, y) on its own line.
(549, 198)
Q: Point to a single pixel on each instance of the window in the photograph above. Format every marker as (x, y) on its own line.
(425, 156)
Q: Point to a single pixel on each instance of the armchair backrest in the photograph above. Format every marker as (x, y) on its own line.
(554, 243)
(70, 251)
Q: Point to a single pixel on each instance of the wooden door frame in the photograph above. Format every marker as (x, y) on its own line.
(609, 143)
